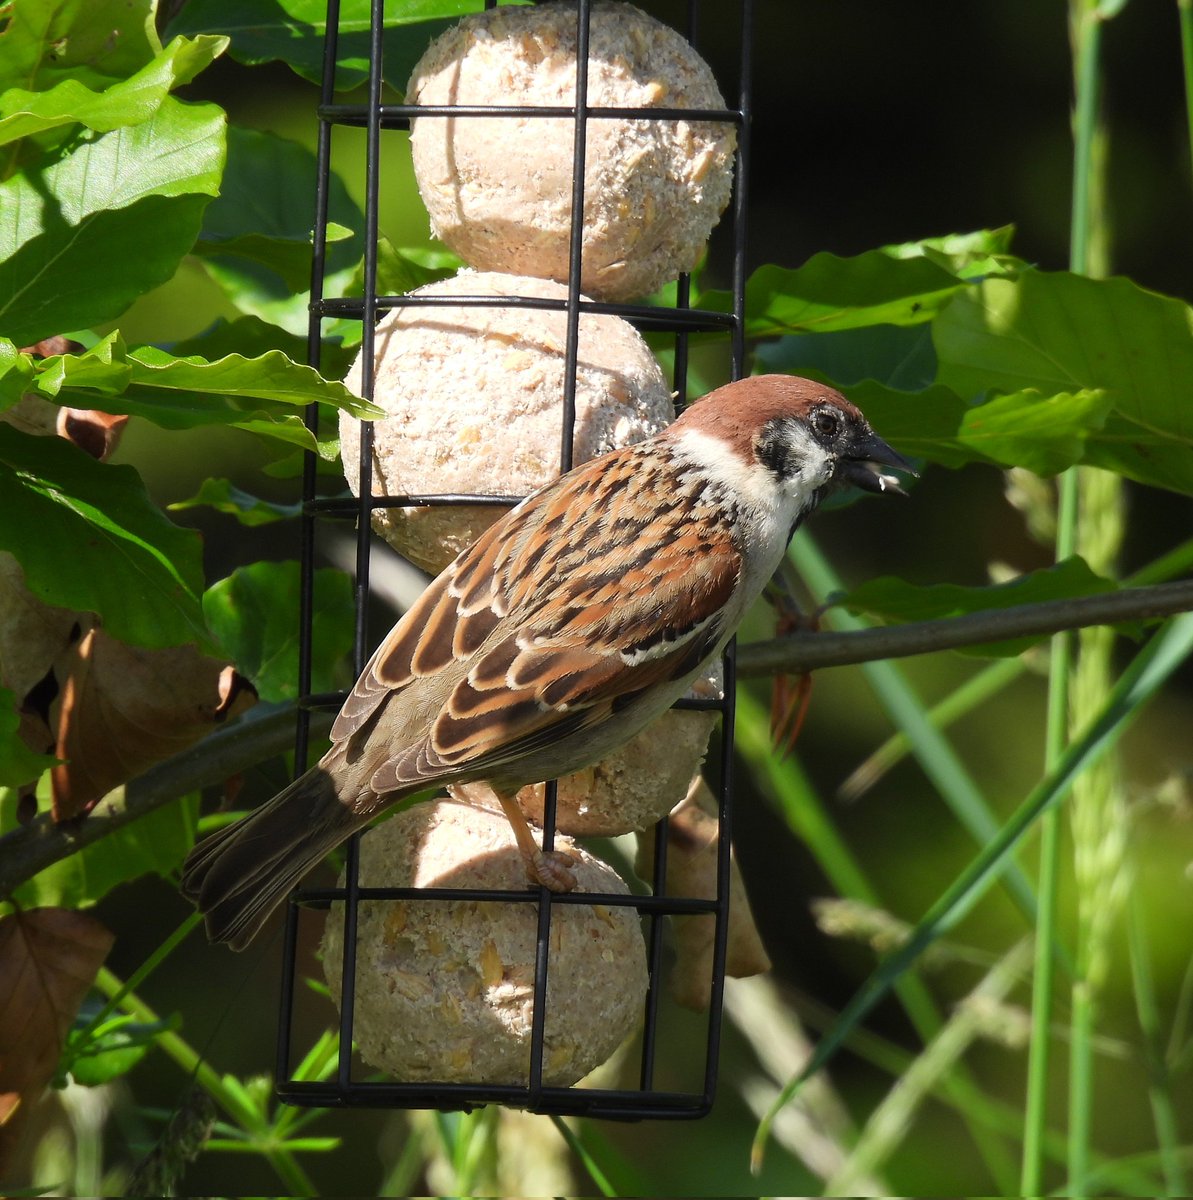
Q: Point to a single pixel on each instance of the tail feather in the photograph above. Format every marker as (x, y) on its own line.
(239, 875)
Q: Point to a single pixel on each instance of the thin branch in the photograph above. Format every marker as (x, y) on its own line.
(33, 847)
(812, 651)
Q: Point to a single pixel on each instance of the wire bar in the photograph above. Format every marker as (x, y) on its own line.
(347, 1088)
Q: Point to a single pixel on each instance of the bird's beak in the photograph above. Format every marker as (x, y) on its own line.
(862, 465)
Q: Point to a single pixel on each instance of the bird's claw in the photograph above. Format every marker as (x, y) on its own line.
(553, 870)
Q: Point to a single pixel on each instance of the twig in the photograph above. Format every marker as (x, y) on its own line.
(33, 847)
(804, 651)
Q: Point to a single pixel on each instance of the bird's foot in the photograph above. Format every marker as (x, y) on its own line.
(552, 869)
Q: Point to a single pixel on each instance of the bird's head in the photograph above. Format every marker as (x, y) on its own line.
(781, 437)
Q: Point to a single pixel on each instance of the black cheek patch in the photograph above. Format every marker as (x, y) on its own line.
(773, 450)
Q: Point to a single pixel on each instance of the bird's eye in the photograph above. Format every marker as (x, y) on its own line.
(827, 422)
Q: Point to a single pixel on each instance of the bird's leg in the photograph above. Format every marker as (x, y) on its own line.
(551, 868)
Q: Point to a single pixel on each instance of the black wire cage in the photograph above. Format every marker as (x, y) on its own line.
(351, 1084)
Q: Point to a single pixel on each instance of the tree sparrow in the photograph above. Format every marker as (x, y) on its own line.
(572, 622)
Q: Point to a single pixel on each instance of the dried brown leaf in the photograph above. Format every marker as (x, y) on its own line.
(49, 347)
(124, 708)
(32, 633)
(693, 833)
(48, 960)
(96, 433)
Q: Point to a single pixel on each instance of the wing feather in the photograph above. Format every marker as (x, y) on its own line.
(569, 608)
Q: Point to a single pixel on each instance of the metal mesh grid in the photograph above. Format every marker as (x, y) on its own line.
(348, 1088)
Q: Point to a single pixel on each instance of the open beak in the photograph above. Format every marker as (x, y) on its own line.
(863, 464)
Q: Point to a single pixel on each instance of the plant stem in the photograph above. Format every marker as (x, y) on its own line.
(143, 971)
(1185, 11)
(1098, 808)
(1148, 671)
(800, 806)
(973, 693)
(193, 1064)
(890, 1120)
(812, 651)
(578, 1148)
(1160, 1084)
(1043, 977)
(932, 750)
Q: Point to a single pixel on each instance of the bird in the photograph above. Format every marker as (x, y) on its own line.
(578, 617)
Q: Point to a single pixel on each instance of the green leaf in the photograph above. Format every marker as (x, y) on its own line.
(89, 538)
(16, 370)
(1061, 333)
(895, 285)
(289, 258)
(970, 255)
(252, 337)
(153, 844)
(896, 600)
(100, 226)
(399, 271)
(18, 764)
(898, 356)
(293, 31)
(254, 613)
(112, 1049)
(1045, 433)
(128, 102)
(225, 497)
(255, 241)
(93, 41)
(265, 395)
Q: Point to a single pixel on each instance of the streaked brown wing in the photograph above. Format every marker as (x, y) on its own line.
(438, 630)
(567, 608)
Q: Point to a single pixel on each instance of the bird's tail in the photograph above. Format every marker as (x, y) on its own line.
(238, 876)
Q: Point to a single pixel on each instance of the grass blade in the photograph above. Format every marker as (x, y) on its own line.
(1139, 682)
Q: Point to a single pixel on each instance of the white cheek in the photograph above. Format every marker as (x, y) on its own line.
(748, 482)
(816, 469)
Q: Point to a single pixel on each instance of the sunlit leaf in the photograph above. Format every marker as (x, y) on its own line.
(1057, 332)
(895, 285)
(16, 369)
(252, 337)
(266, 395)
(1045, 433)
(128, 102)
(87, 234)
(92, 41)
(293, 31)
